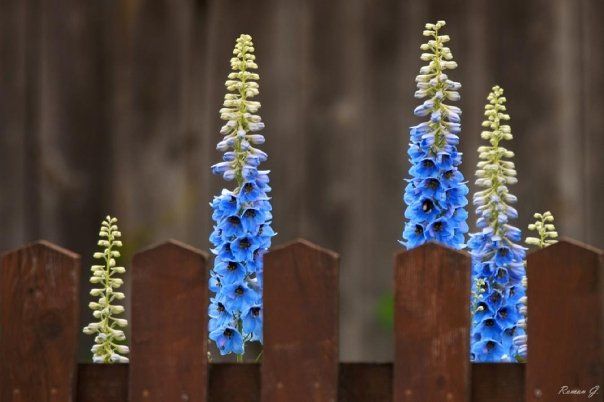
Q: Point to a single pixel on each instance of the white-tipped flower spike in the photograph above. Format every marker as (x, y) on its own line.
(242, 216)
(435, 194)
(544, 226)
(108, 347)
(497, 259)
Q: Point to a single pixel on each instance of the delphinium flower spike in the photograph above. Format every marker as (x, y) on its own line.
(497, 259)
(108, 347)
(544, 226)
(242, 216)
(436, 193)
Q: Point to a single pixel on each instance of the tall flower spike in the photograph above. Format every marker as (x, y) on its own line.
(544, 226)
(108, 347)
(242, 216)
(497, 259)
(436, 193)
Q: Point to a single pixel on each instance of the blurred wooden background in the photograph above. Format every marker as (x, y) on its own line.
(111, 107)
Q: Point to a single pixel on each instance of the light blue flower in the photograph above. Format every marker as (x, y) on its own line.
(252, 323)
(228, 340)
(242, 232)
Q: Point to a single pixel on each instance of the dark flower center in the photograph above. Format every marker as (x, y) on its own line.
(490, 322)
(428, 163)
(503, 312)
(220, 307)
(448, 174)
(250, 213)
(501, 274)
(427, 206)
(503, 252)
(233, 219)
(228, 332)
(433, 184)
(419, 229)
(495, 297)
(248, 187)
(483, 306)
(232, 266)
(239, 290)
(244, 243)
(255, 311)
(490, 345)
(438, 226)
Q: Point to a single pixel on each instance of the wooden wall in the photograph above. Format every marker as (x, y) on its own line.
(111, 106)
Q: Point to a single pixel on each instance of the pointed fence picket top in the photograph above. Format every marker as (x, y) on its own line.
(169, 305)
(565, 322)
(432, 322)
(300, 361)
(39, 312)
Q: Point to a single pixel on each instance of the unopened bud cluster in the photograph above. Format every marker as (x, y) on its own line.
(108, 329)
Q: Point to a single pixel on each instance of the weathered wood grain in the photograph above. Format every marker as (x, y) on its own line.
(565, 322)
(364, 382)
(431, 327)
(234, 382)
(169, 324)
(300, 361)
(358, 382)
(498, 382)
(102, 383)
(39, 307)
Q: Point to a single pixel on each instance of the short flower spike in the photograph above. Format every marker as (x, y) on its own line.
(242, 216)
(436, 193)
(544, 226)
(108, 347)
(497, 259)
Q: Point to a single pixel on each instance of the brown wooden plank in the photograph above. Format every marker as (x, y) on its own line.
(565, 322)
(431, 328)
(169, 324)
(300, 361)
(102, 383)
(496, 382)
(364, 382)
(39, 320)
(234, 382)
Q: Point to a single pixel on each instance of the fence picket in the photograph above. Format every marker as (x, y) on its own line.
(432, 321)
(300, 362)
(565, 322)
(102, 382)
(39, 306)
(169, 324)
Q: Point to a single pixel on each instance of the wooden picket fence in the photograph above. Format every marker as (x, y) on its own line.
(39, 308)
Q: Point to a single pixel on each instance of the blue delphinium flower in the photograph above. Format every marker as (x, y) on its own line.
(242, 216)
(497, 259)
(436, 193)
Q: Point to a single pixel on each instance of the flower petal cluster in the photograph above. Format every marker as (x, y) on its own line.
(544, 226)
(497, 259)
(108, 347)
(242, 231)
(436, 194)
